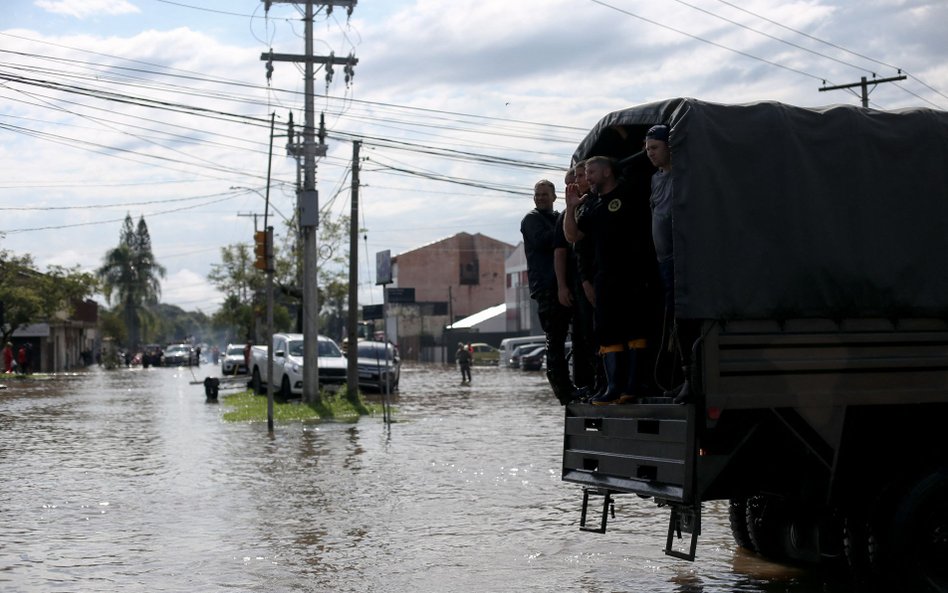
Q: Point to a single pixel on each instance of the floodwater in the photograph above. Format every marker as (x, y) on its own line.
(129, 481)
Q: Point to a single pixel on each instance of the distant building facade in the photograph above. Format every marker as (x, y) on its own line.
(439, 283)
(63, 343)
(522, 314)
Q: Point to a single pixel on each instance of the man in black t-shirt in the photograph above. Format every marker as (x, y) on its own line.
(538, 229)
(619, 226)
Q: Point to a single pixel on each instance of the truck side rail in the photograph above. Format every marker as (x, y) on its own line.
(824, 363)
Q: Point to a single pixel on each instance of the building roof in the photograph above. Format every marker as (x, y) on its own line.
(481, 317)
(446, 239)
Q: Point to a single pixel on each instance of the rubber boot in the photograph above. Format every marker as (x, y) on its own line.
(563, 388)
(632, 377)
(600, 385)
(616, 378)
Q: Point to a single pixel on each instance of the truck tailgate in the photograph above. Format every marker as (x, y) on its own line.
(643, 449)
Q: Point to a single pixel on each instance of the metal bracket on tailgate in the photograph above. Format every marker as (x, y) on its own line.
(608, 505)
(683, 519)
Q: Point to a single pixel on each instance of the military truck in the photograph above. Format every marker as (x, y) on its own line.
(811, 252)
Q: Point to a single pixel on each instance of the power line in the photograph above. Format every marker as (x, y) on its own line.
(768, 35)
(707, 41)
(98, 222)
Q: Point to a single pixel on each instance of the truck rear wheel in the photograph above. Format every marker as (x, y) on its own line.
(255, 382)
(778, 532)
(766, 525)
(737, 517)
(919, 536)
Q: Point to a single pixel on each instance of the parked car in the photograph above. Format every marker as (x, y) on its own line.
(179, 355)
(288, 364)
(508, 345)
(151, 355)
(533, 360)
(379, 365)
(519, 351)
(233, 362)
(484, 354)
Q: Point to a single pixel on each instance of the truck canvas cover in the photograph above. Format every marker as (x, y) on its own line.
(788, 212)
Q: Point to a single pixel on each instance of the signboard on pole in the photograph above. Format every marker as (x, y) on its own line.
(400, 295)
(383, 267)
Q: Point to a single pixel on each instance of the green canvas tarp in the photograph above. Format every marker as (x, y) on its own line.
(787, 212)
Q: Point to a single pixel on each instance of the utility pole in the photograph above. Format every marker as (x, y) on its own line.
(352, 369)
(308, 206)
(864, 84)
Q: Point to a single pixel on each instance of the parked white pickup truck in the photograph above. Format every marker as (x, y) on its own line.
(288, 364)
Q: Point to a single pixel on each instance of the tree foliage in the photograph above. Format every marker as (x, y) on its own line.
(131, 274)
(243, 309)
(29, 296)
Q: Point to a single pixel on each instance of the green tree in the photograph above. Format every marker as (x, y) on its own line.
(132, 275)
(29, 296)
(236, 277)
(332, 273)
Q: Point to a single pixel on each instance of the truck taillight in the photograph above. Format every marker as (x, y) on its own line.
(714, 413)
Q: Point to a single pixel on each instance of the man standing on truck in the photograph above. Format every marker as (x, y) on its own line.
(537, 228)
(659, 153)
(571, 295)
(619, 229)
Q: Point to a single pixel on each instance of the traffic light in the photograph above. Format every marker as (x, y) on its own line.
(263, 249)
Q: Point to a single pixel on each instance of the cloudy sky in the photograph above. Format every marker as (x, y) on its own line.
(161, 108)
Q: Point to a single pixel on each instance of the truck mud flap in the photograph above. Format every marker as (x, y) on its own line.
(645, 449)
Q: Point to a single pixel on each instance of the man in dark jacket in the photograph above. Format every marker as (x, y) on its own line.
(538, 229)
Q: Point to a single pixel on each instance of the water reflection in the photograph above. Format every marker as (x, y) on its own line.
(127, 480)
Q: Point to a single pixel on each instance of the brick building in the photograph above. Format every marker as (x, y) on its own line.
(439, 283)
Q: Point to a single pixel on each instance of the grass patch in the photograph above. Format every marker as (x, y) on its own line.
(246, 406)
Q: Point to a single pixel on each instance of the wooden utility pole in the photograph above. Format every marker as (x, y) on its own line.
(308, 206)
(352, 370)
(864, 84)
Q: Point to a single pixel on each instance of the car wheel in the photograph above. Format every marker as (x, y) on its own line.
(255, 382)
(285, 388)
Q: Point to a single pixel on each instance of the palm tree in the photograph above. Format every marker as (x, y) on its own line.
(132, 274)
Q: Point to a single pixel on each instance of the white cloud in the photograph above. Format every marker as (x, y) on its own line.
(564, 63)
(191, 291)
(86, 8)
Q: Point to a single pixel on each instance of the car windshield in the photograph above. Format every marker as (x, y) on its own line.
(177, 349)
(326, 348)
(329, 348)
(235, 350)
(374, 351)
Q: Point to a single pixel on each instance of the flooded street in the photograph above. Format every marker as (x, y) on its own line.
(129, 481)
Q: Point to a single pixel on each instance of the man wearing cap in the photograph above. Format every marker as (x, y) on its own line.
(659, 153)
